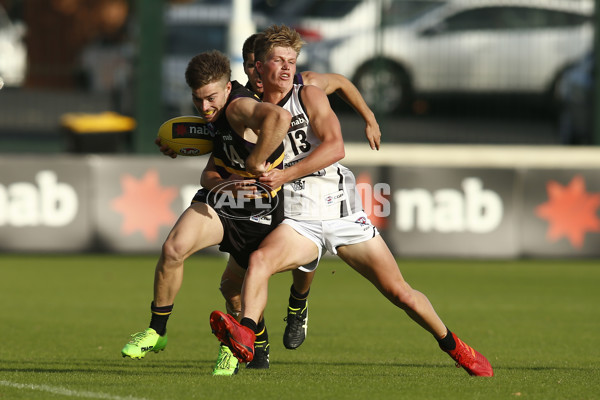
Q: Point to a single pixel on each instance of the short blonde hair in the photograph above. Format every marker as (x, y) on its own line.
(276, 36)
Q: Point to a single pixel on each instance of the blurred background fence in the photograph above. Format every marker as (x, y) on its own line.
(486, 109)
(469, 71)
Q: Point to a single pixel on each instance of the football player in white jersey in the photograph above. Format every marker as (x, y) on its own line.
(233, 275)
(321, 213)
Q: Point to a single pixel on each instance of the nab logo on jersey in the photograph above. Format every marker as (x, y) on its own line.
(298, 122)
(192, 130)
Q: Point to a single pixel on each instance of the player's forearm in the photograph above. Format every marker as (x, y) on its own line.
(272, 133)
(353, 97)
(210, 179)
(265, 146)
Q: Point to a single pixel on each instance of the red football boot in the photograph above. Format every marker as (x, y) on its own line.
(240, 339)
(470, 359)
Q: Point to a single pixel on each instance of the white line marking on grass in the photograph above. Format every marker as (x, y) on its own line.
(67, 392)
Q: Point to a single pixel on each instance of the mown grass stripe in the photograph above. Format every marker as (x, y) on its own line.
(67, 392)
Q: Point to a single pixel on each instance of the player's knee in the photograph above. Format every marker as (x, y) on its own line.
(256, 260)
(172, 252)
(259, 262)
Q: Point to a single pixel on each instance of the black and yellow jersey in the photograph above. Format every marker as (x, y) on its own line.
(230, 150)
(246, 222)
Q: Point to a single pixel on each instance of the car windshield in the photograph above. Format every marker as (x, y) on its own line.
(331, 8)
(272, 7)
(398, 12)
(185, 40)
(304, 9)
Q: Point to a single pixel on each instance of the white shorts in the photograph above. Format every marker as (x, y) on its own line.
(330, 234)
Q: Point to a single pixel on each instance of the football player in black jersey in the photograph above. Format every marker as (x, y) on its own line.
(248, 134)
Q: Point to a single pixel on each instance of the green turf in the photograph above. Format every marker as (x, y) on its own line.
(64, 320)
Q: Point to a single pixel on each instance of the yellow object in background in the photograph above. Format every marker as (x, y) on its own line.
(97, 123)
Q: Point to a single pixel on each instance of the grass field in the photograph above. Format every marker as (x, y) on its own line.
(64, 320)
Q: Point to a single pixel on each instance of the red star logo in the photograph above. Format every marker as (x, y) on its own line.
(145, 205)
(180, 129)
(570, 210)
(370, 202)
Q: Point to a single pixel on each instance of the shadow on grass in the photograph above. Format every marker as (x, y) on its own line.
(176, 367)
(432, 365)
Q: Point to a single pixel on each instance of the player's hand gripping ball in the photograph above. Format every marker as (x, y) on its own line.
(187, 135)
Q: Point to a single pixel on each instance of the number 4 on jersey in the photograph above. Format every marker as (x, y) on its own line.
(233, 155)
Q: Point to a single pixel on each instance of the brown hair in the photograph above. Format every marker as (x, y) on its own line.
(208, 67)
(276, 36)
(248, 47)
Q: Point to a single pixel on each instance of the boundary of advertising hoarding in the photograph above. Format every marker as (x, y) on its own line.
(488, 156)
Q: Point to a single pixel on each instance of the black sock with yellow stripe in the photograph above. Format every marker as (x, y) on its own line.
(160, 316)
(297, 300)
(262, 336)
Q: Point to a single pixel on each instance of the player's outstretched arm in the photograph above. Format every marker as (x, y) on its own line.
(339, 84)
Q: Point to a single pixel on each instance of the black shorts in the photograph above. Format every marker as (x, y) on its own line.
(243, 229)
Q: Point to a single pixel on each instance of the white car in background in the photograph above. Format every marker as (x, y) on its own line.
(427, 48)
(190, 29)
(13, 52)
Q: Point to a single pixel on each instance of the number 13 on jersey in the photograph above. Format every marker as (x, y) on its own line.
(298, 142)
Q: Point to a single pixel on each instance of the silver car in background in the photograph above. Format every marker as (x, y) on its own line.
(427, 48)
